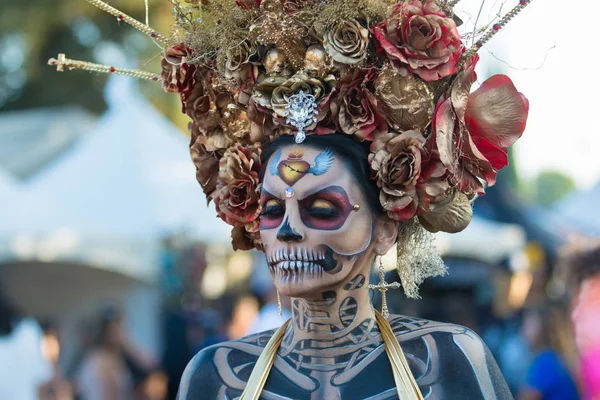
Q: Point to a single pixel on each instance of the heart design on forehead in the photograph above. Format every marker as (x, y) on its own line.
(295, 168)
(291, 171)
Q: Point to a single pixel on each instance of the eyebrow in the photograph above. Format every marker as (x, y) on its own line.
(332, 188)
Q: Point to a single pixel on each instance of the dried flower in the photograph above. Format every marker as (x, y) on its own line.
(450, 212)
(472, 132)
(420, 38)
(355, 107)
(238, 188)
(245, 238)
(207, 166)
(396, 162)
(405, 102)
(347, 41)
(177, 75)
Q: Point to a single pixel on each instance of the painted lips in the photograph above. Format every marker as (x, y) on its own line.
(291, 261)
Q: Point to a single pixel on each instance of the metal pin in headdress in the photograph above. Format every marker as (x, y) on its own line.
(300, 112)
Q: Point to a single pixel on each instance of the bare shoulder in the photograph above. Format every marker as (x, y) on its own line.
(450, 353)
(221, 366)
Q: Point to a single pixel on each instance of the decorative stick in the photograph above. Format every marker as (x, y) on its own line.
(131, 21)
(62, 61)
(495, 29)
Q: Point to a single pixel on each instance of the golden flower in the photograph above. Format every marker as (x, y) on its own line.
(316, 60)
(396, 163)
(310, 85)
(275, 62)
(355, 107)
(450, 212)
(263, 90)
(262, 126)
(239, 55)
(206, 125)
(207, 166)
(177, 75)
(405, 102)
(347, 41)
(238, 188)
(243, 238)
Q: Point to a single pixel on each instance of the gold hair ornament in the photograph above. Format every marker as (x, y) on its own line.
(144, 28)
(62, 61)
(494, 30)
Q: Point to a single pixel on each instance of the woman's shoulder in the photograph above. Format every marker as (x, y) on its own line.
(214, 365)
(456, 354)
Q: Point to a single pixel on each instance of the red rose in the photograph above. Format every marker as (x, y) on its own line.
(420, 38)
(472, 132)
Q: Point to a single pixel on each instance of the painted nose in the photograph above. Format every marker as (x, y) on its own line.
(287, 234)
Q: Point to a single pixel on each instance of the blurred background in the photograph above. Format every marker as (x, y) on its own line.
(106, 239)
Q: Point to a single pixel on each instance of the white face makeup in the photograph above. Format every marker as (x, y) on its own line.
(315, 224)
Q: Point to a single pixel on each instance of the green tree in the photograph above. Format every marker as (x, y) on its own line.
(551, 186)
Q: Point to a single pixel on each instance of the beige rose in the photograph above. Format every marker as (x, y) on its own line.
(347, 41)
(396, 164)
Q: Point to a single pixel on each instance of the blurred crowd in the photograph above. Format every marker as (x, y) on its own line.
(561, 339)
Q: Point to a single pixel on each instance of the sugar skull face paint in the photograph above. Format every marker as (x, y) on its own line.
(314, 238)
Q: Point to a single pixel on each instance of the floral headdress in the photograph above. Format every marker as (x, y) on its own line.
(396, 74)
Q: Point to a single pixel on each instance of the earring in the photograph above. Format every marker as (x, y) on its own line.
(383, 287)
(279, 303)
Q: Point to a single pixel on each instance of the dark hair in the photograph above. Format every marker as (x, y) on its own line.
(354, 154)
(581, 263)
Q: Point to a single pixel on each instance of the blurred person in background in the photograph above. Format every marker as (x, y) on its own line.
(58, 387)
(550, 375)
(270, 316)
(244, 312)
(583, 266)
(112, 368)
(23, 368)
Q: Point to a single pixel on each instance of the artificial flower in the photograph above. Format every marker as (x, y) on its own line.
(419, 37)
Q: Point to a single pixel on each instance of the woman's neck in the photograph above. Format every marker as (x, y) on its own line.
(339, 318)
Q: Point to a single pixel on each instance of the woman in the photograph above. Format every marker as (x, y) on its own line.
(326, 132)
(582, 266)
(551, 373)
(333, 348)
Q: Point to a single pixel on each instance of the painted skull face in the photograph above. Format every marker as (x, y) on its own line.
(315, 223)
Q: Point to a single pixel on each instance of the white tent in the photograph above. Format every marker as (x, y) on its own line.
(580, 209)
(483, 240)
(118, 191)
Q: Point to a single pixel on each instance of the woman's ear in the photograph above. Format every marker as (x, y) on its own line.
(386, 233)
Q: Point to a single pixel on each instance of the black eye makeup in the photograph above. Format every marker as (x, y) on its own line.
(273, 210)
(327, 209)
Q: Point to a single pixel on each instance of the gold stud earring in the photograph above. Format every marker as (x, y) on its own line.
(356, 207)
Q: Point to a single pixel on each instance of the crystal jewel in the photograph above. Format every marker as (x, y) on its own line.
(289, 192)
(300, 112)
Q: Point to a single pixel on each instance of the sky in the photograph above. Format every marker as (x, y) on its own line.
(549, 51)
